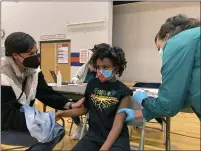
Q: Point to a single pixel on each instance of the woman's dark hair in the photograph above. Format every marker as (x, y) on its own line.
(115, 54)
(18, 42)
(175, 25)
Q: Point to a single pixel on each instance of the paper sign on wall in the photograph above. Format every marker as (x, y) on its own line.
(83, 55)
(63, 53)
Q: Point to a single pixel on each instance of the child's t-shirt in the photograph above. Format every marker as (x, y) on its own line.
(102, 101)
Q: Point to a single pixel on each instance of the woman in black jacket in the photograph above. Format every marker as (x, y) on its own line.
(21, 83)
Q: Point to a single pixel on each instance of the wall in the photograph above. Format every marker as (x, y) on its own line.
(49, 18)
(134, 29)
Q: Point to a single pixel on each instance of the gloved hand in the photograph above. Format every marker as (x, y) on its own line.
(130, 113)
(139, 95)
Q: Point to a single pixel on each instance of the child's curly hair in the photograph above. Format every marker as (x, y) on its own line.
(115, 54)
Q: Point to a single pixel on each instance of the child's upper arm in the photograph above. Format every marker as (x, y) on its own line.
(119, 118)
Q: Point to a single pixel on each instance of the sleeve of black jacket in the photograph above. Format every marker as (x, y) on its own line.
(11, 117)
(48, 96)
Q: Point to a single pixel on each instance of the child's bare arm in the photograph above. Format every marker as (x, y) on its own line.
(71, 113)
(117, 124)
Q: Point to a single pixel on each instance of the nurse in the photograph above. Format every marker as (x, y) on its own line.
(178, 42)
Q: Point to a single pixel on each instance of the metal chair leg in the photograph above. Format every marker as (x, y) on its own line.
(164, 131)
(84, 126)
(131, 133)
(44, 108)
(168, 134)
(141, 146)
(71, 126)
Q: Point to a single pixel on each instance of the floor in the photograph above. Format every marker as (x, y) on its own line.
(185, 134)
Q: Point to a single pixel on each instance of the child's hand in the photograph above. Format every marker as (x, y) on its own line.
(78, 104)
(58, 115)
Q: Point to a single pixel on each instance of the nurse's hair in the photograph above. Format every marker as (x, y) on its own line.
(175, 25)
(18, 42)
(115, 54)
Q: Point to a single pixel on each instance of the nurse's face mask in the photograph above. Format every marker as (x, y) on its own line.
(161, 43)
(105, 70)
(161, 52)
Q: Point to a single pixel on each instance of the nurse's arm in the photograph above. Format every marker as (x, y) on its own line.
(176, 75)
(117, 124)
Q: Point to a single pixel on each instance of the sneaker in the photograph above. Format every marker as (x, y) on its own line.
(77, 133)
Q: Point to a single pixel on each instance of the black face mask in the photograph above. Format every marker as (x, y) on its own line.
(31, 62)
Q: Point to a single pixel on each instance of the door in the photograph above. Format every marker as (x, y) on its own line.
(49, 59)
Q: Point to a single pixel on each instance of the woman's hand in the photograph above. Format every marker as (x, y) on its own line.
(130, 114)
(138, 96)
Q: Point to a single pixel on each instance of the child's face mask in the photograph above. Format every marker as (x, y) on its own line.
(105, 75)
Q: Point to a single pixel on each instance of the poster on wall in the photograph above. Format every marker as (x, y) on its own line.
(83, 55)
(62, 53)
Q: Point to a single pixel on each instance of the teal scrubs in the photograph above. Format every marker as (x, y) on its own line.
(180, 71)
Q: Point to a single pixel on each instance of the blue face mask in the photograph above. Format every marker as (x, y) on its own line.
(105, 75)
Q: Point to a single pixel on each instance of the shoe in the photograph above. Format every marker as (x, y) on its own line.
(77, 133)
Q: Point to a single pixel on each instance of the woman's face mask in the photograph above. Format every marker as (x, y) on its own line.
(160, 45)
(31, 62)
(30, 59)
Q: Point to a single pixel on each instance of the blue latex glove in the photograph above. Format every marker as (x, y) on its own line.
(138, 96)
(130, 113)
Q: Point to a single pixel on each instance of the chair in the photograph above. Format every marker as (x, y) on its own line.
(71, 126)
(139, 122)
(84, 126)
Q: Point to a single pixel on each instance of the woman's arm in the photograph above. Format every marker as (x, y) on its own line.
(48, 96)
(72, 113)
(117, 124)
(176, 72)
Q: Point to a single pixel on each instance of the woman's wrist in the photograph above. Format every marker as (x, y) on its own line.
(67, 105)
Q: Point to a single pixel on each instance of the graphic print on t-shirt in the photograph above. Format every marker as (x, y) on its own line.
(103, 99)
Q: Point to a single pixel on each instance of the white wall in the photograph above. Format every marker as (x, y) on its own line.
(49, 18)
(134, 29)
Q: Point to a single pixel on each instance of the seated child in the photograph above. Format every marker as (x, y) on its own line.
(103, 97)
